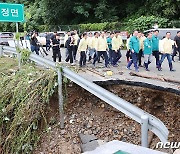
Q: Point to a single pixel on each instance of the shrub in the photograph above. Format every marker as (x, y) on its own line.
(146, 22)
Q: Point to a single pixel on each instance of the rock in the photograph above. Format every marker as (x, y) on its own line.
(74, 141)
(101, 133)
(85, 132)
(89, 146)
(110, 131)
(84, 106)
(94, 132)
(87, 138)
(98, 129)
(52, 144)
(90, 123)
(116, 131)
(78, 120)
(106, 139)
(63, 132)
(71, 121)
(102, 105)
(89, 132)
(125, 130)
(73, 116)
(101, 142)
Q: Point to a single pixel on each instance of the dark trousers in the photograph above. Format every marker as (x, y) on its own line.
(168, 58)
(48, 42)
(133, 60)
(99, 53)
(116, 56)
(56, 54)
(70, 55)
(110, 58)
(175, 52)
(75, 47)
(156, 55)
(128, 55)
(96, 55)
(140, 56)
(35, 48)
(82, 60)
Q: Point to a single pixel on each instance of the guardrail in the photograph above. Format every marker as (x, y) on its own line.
(147, 121)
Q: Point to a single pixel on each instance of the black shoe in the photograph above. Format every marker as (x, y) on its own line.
(159, 69)
(172, 70)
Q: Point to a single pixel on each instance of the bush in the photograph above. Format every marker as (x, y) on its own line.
(101, 26)
(146, 22)
(176, 23)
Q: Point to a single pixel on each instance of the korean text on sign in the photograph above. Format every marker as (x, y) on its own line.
(13, 12)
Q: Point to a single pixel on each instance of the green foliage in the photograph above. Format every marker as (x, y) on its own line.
(68, 12)
(23, 104)
(101, 26)
(25, 53)
(146, 22)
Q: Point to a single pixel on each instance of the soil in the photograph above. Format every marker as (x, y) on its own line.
(85, 113)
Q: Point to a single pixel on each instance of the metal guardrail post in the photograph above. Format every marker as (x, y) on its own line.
(144, 130)
(19, 60)
(60, 94)
(1, 50)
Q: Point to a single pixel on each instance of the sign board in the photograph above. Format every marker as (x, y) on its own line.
(11, 12)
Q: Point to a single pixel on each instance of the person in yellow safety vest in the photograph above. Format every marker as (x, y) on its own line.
(95, 44)
(167, 49)
(90, 46)
(102, 47)
(117, 43)
(83, 45)
(76, 38)
(141, 41)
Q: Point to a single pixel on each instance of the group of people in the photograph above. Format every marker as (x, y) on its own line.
(139, 46)
(108, 46)
(93, 48)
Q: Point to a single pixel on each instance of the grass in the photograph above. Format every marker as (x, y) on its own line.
(24, 96)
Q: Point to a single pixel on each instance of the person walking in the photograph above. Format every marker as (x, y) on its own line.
(95, 44)
(53, 36)
(48, 42)
(155, 46)
(75, 46)
(90, 46)
(116, 45)
(134, 46)
(34, 43)
(70, 45)
(56, 48)
(177, 45)
(110, 51)
(128, 53)
(141, 40)
(83, 46)
(167, 48)
(67, 35)
(102, 46)
(148, 51)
